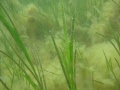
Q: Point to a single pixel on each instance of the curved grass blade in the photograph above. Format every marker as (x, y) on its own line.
(117, 62)
(110, 67)
(4, 84)
(18, 55)
(61, 62)
(18, 40)
(16, 37)
(26, 75)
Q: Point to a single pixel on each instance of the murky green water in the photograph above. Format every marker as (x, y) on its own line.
(59, 44)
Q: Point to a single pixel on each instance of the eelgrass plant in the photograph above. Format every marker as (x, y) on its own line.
(12, 73)
(41, 84)
(84, 9)
(67, 64)
(4, 84)
(116, 36)
(12, 7)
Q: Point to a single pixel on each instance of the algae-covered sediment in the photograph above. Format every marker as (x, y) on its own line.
(28, 57)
